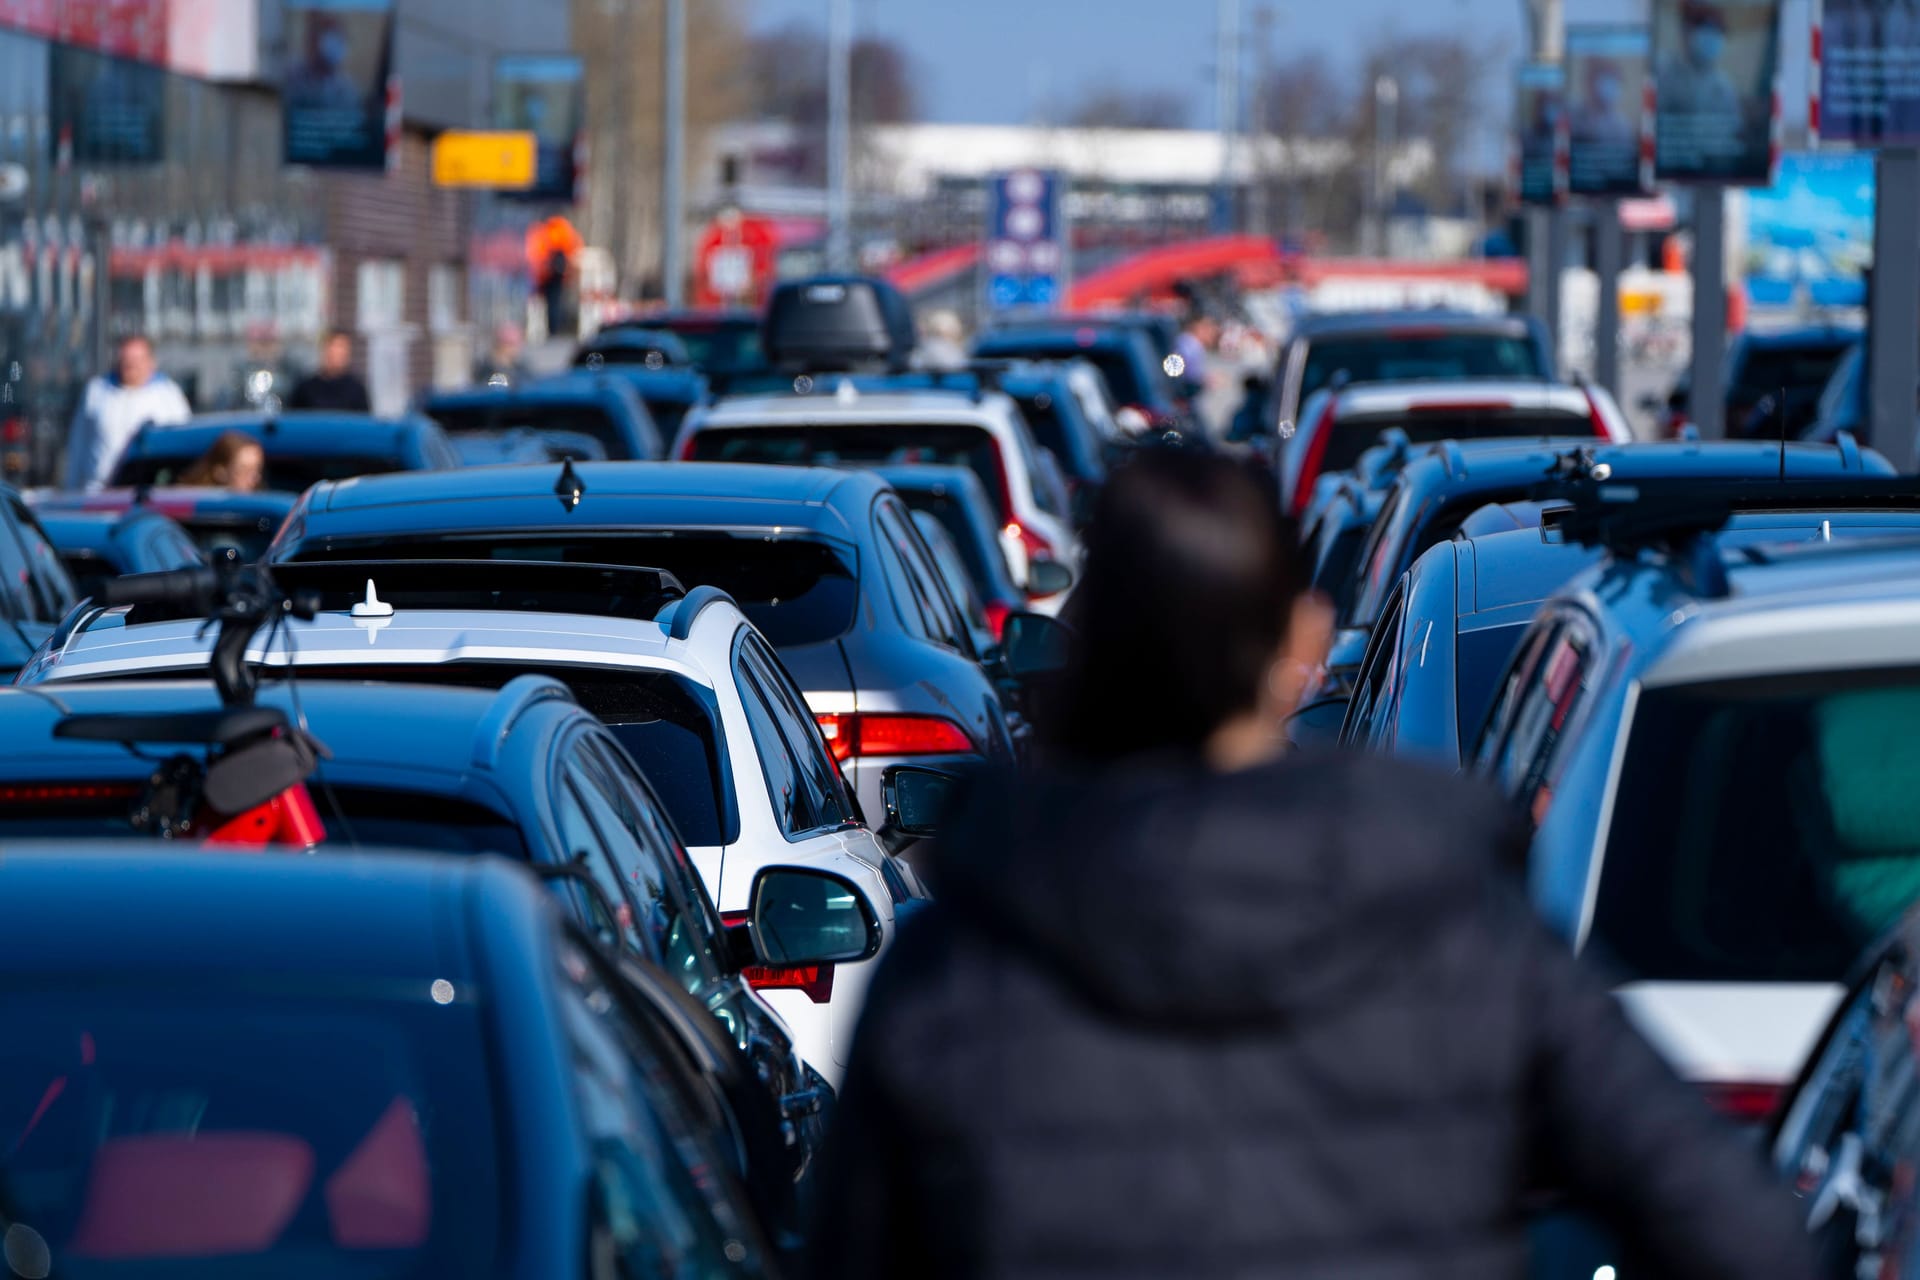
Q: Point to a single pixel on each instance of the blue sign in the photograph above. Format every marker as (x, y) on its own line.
(1025, 256)
(1810, 235)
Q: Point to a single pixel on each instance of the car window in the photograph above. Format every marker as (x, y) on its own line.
(1372, 691)
(956, 444)
(654, 1203)
(1545, 714)
(777, 761)
(1415, 355)
(49, 588)
(609, 912)
(1489, 751)
(953, 572)
(818, 775)
(907, 605)
(168, 547)
(674, 906)
(943, 620)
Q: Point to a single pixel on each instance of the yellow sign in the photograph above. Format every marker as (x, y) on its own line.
(499, 160)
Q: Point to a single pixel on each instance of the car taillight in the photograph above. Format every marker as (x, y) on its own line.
(66, 793)
(854, 735)
(1594, 416)
(1316, 457)
(1743, 1103)
(1158, 419)
(13, 431)
(685, 453)
(816, 980)
(998, 611)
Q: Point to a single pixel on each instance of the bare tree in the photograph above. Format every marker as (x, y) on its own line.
(1105, 107)
(787, 72)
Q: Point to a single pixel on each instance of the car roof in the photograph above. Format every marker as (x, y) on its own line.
(1367, 399)
(696, 317)
(930, 404)
(584, 386)
(915, 478)
(1060, 335)
(1519, 567)
(356, 719)
(1323, 323)
(96, 526)
(301, 433)
(141, 906)
(181, 503)
(614, 495)
(1502, 465)
(105, 646)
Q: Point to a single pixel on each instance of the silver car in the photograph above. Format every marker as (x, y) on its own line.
(827, 564)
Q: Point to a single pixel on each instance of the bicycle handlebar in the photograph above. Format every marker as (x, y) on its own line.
(198, 589)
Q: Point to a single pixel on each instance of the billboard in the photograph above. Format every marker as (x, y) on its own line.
(134, 29)
(1607, 76)
(1541, 98)
(105, 110)
(543, 94)
(1026, 248)
(334, 94)
(1810, 235)
(1715, 63)
(1870, 72)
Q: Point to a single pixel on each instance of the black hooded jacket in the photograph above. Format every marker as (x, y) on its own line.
(1291, 1022)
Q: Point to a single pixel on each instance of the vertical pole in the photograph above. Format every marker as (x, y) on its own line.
(673, 213)
(1893, 328)
(1606, 321)
(839, 133)
(1707, 407)
(1227, 94)
(1546, 228)
(1386, 128)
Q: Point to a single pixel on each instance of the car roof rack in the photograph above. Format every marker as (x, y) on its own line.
(517, 586)
(687, 610)
(1680, 515)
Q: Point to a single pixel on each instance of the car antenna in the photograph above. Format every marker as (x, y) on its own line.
(1781, 408)
(569, 488)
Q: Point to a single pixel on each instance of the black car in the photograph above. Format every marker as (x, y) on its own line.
(1126, 355)
(583, 415)
(631, 345)
(723, 343)
(354, 1065)
(96, 546)
(36, 591)
(523, 772)
(1794, 363)
(1403, 346)
(301, 448)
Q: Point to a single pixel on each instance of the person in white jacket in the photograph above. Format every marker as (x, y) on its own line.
(114, 408)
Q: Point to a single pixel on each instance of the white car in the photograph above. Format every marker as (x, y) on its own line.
(845, 427)
(691, 690)
(1338, 424)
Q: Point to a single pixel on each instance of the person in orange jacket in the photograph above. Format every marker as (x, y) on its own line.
(553, 246)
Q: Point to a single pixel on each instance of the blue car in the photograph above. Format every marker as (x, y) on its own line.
(583, 416)
(98, 545)
(302, 448)
(365, 1064)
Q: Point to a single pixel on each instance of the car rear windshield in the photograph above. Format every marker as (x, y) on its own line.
(796, 590)
(662, 719)
(589, 420)
(286, 473)
(1355, 434)
(172, 1124)
(1766, 369)
(246, 536)
(1055, 435)
(1709, 877)
(394, 818)
(724, 349)
(1480, 659)
(1416, 356)
(862, 445)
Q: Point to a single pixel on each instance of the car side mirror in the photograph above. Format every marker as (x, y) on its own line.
(1032, 644)
(1048, 577)
(798, 916)
(918, 802)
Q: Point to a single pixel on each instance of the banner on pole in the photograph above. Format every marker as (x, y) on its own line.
(1715, 65)
(336, 92)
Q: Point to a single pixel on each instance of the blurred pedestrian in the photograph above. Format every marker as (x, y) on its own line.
(506, 360)
(943, 342)
(1187, 1008)
(114, 407)
(335, 386)
(234, 461)
(552, 248)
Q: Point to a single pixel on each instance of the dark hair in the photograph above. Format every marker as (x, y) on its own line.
(1192, 571)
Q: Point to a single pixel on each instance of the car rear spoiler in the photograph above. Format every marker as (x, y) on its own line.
(523, 586)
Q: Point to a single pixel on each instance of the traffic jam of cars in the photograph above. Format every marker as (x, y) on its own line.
(469, 852)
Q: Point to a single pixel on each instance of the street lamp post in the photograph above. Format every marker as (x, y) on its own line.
(839, 133)
(673, 213)
(1227, 91)
(1386, 128)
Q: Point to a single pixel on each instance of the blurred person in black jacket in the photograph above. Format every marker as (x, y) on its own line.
(1190, 1009)
(335, 386)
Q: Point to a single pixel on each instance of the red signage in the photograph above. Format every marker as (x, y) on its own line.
(126, 28)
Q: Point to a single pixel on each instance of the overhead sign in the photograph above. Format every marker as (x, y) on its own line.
(336, 87)
(1026, 245)
(543, 94)
(1609, 132)
(1869, 73)
(1809, 237)
(1541, 99)
(498, 160)
(105, 110)
(1715, 63)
